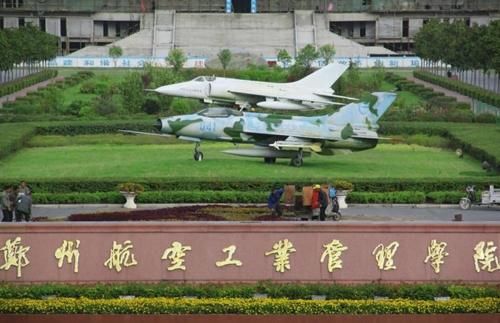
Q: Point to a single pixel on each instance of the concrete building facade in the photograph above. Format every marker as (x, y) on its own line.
(153, 27)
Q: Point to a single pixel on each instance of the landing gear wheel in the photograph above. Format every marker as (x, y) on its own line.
(198, 156)
(465, 203)
(269, 160)
(297, 161)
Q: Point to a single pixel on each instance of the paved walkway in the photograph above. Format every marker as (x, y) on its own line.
(355, 212)
(437, 88)
(24, 92)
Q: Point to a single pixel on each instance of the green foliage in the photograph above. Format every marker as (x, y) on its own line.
(445, 197)
(326, 52)
(401, 197)
(132, 91)
(184, 106)
(473, 139)
(306, 57)
(284, 58)
(224, 56)
(18, 135)
(343, 185)
(151, 105)
(115, 52)
(176, 58)
(21, 83)
(130, 187)
(272, 290)
(244, 306)
(463, 88)
(153, 197)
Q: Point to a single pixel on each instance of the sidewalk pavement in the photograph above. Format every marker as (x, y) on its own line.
(437, 88)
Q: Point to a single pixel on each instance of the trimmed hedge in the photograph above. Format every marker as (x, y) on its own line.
(186, 184)
(401, 197)
(153, 197)
(21, 83)
(72, 128)
(387, 197)
(14, 136)
(272, 290)
(439, 129)
(461, 87)
(244, 306)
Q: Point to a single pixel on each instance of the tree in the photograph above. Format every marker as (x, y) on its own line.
(176, 58)
(307, 56)
(326, 52)
(115, 52)
(225, 58)
(284, 58)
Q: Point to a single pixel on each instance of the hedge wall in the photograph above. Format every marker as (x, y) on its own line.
(272, 290)
(186, 184)
(439, 129)
(244, 306)
(19, 84)
(461, 87)
(14, 136)
(400, 197)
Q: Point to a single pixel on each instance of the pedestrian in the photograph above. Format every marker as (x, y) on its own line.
(24, 188)
(332, 193)
(8, 203)
(23, 207)
(323, 202)
(273, 202)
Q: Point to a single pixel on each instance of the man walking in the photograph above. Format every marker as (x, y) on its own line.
(8, 203)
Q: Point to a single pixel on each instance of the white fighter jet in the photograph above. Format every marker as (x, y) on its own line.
(312, 92)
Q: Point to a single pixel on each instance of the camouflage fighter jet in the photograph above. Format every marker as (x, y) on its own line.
(310, 93)
(352, 128)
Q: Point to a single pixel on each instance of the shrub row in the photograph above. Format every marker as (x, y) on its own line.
(461, 87)
(272, 290)
(244, 306)
(19, 84)
(439, 129)
(153, 197)
(181, 184)
(14, 136)
(418, 89)
(387, 197)
(403, 197)
(92, 127)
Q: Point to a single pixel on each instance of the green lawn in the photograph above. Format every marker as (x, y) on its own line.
(176, 161)
(484, 136)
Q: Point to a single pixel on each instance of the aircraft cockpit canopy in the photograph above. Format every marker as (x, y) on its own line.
(205, 78)
(219, 112)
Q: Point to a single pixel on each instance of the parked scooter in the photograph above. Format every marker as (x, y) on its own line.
(489, 197)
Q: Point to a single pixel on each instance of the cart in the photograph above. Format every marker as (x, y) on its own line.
(489, 197)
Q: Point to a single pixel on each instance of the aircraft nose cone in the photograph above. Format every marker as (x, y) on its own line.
(162, 126)
(166, 89)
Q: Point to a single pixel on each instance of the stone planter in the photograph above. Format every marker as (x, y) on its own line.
(341, 196)
(130, 197)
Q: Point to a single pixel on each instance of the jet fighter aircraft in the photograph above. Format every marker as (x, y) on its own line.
(312, 92)
(352, 128)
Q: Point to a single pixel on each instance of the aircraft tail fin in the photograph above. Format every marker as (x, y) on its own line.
(365, 112)
(324, 77)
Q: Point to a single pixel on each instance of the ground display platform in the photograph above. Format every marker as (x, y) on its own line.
(249, 252)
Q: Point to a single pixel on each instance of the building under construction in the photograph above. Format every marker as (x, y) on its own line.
(257, 27)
